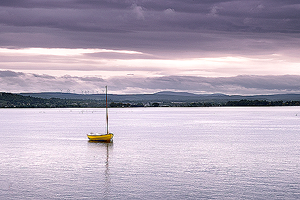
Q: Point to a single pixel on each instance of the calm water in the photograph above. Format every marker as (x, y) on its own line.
(157, 153)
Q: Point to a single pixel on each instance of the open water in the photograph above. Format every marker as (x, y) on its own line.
(157, 153)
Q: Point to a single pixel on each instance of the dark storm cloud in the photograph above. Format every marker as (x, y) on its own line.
(151, 26)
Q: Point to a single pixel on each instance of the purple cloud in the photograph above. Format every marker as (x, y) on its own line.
(165, 30)
(27, 82)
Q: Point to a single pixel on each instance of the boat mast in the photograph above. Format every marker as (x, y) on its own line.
(106, 111)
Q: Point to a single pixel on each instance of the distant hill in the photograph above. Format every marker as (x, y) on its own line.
(171, 99)
(166, 96)
(9, 100)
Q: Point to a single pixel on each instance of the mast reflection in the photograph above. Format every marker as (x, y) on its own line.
(107, 181)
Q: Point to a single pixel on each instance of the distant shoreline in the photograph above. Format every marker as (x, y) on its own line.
(10, 100)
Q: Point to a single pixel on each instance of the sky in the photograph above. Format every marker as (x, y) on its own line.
(244, 47)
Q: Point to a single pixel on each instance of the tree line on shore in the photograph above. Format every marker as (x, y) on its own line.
(9, 100)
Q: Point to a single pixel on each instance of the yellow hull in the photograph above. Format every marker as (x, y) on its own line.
(105, 137)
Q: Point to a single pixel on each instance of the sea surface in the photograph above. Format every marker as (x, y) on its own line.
(157, 153)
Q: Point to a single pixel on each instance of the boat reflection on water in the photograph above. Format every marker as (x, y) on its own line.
(110, 143)
(108, 147)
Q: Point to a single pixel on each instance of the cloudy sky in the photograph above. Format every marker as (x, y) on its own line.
(146, 46)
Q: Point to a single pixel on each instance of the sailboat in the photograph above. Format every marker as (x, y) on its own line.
(104, 137)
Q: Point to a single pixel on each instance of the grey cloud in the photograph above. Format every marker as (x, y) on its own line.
(91, 79)
(9, 74)
(161, 30)
(109, 55)
(26, 82)
(226, 85)
(44, 76)
(233, 9)
(144, 25)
